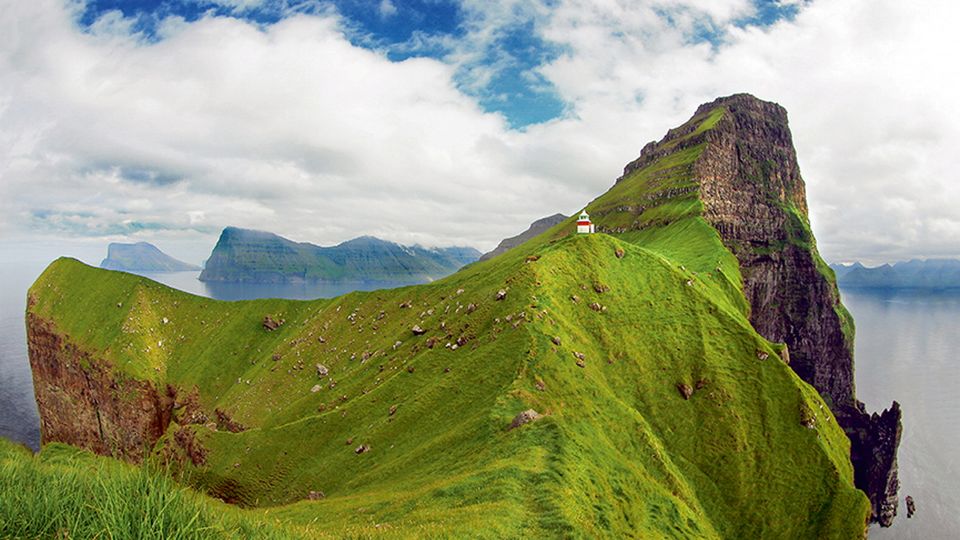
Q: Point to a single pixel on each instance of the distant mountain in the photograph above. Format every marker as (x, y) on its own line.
(248, 256)
(142, 257)
(535, 228)
(915, 274)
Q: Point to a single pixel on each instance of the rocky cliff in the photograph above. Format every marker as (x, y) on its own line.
(83, 401)
(748, 181)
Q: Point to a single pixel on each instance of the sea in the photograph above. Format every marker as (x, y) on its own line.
(905, 347)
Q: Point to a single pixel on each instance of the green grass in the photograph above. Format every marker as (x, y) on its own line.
(618, 452)
(68, 493)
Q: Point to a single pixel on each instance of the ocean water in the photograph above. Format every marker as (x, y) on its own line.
(905, 350)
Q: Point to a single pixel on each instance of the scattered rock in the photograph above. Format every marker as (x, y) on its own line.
(762, 355)
(685, 390)
(397, 345)
(431, 342)
(581, 363)
(270, 324)
(600, 288)
(406, 305)
(597, 307)
(315, 495)
(446, 370)
(575, 298)
(459, 291)
(700, 384)
(393, 409)
(579, 355)
(533, 258)
(471, 308)
(349, 441)
(501, 294)
(362, 449)
(225, 422)
(462, 340)
(119, 304)
(321, 340)
(555, 340)
(619, 253)
(315, 389)
(525, 417)
(322, 371)
(911, 507)
(540, 385)
(417, 331)
(689, 282)
(410, 369)
(276, 357)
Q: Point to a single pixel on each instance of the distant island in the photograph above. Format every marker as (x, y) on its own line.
(142, 257)
(248, 256)
(535, 229)
(914, 274)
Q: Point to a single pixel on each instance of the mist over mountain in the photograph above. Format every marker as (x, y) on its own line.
(913, 274)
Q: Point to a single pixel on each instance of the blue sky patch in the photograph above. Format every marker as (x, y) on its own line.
(511, 84)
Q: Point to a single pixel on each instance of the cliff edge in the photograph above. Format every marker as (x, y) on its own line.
(745, 175)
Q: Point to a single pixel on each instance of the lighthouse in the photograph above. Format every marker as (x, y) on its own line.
(583, 223)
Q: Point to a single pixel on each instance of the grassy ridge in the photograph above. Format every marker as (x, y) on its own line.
(619, 450)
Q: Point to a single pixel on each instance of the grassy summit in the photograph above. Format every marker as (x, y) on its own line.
(664, 413)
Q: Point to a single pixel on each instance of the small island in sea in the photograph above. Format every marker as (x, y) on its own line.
(142, 257)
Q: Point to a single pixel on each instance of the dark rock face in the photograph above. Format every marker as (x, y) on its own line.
(82, 402)
(753, 195)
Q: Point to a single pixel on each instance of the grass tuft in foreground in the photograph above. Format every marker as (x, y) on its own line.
(69, 493)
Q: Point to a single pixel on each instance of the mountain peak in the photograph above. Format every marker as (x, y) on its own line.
(142, 257)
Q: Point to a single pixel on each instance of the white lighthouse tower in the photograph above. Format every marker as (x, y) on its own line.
(584, 226)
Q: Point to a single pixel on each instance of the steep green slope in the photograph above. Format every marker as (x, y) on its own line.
(254, 256)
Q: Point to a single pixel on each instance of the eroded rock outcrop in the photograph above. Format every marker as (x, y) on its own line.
(83, 402)
(749, 183)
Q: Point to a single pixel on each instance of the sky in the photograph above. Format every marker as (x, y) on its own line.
(452, 122)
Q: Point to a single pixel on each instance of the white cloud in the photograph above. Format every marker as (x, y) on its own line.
(386, 9)
(292, 129)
